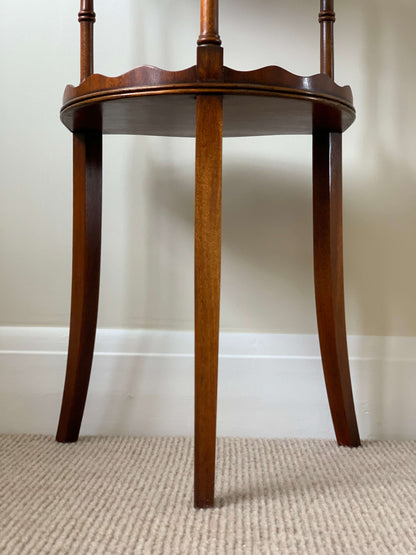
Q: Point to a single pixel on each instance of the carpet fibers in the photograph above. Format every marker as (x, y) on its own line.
(125, 495)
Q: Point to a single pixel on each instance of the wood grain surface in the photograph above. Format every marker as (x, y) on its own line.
(329, 283)
(151, 101)
(208, 177)
(87, 176)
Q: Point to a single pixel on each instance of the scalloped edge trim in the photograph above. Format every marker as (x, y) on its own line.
(151, 77)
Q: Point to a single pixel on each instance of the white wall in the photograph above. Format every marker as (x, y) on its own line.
(267, 280)
(270, 385)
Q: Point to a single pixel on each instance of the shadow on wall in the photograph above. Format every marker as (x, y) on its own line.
(380, 227)
(267, 209)
(267, 249)
(379, 213)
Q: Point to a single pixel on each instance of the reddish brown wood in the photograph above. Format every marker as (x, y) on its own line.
(151, 101)
(209, 23)
(329, 282)
(208, 175)
(148, 80)
(209, 66)
(85, 280)
(327, 19)
(208, 101)
(86, 18)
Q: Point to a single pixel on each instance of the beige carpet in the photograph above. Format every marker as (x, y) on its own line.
(134, 495)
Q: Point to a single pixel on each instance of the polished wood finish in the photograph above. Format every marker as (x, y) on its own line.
(208, 172)
(327, 20)
(329, 282)
(87, 159)
(151, 101)
(208, 182)
(208, 101)
(209, 23)
(86, 18)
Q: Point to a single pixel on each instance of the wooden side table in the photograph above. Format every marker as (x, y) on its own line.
(208, 101)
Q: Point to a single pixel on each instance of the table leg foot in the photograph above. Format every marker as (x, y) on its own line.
(87, 159)
(329, 283)
(207, 290)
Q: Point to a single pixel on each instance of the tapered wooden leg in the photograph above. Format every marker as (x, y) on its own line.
(329, 283)
(208, 177)
(85, 280)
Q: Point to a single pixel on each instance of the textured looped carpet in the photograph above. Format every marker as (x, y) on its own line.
(134, 495)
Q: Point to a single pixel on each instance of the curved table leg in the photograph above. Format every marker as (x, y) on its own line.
(207, 290)
(329, 282)
(87, 160)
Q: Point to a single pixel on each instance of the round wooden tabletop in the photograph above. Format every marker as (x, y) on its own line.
(151, 101)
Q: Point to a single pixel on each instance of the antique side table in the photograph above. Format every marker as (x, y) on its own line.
(208, 101)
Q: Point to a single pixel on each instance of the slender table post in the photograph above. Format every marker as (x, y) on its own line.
(328, 257)
(208, 177)
(86, 18)
(209, 23)
(85, 280)
(208, 170)
(329, 283)
(86, 245)
(327, 20)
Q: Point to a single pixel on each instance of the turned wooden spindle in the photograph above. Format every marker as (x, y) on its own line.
(327, 19)
(209, 52)
(209, 23)
(86, 18)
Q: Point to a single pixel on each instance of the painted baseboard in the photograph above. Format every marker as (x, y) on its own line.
(270, 385)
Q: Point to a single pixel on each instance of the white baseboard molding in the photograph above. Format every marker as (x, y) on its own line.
(270, 385)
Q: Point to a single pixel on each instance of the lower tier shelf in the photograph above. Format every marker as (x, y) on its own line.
(150, 101)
